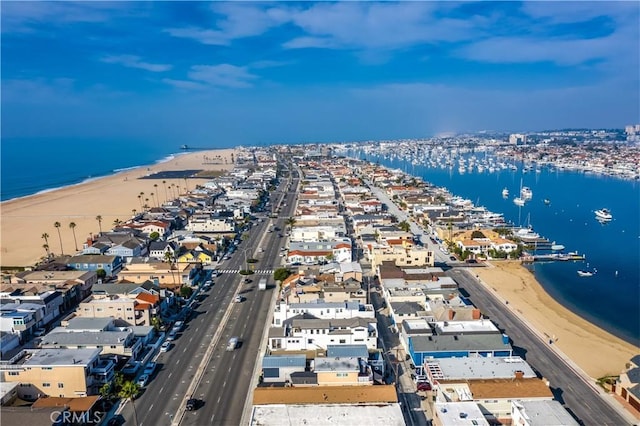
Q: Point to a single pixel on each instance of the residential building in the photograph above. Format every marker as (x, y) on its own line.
(65, 373)
(94, 262)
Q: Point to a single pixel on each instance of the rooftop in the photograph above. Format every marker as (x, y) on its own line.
(327, 414)
(459, 413)
(544, 413)
(62, 357)
(326, 395)
(97, 338)
(322, 365)
(478, 368)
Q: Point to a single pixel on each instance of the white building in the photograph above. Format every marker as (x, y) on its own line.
(322, 310)
(209, 224)
(312, 334)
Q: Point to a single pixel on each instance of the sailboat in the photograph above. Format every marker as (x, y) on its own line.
(520, 200)
(505, 193)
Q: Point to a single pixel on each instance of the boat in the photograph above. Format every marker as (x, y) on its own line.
(505, 193)
(584, 273)
(547, 201)
(184, 147)
(557, 247)
(603, 214)
(518, 201)
(526, 193)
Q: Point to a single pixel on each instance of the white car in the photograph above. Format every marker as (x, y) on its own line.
(143, 380)
(165, 346)
(237, 299)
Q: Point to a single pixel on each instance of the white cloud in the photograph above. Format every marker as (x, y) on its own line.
(27, 16)
(240, 21)
(132, 61)
(184, 84)
(222, 75)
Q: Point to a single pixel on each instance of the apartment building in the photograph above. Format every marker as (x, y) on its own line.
(67, 373)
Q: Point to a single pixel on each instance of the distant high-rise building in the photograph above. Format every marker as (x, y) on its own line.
(517, 139)
(631, 129)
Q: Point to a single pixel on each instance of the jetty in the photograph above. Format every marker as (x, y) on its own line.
(555, 257)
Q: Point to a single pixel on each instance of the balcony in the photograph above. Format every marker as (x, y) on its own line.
(104, 371)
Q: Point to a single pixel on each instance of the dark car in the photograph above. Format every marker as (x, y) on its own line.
(192, 404)
(452, 258)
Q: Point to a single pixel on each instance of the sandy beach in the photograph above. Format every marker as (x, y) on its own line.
(595, 351)
(24, 220)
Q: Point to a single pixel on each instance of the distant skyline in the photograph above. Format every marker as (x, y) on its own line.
(229, 73)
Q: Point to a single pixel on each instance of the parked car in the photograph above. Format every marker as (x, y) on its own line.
(237, 299)
(424, 386)
(143, 380)
(165, 346)
(178, 325)
(150, 368)
(452, 258)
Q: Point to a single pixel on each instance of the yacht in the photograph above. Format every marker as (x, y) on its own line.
(526, 193)
(585, 273)
(603, 214)
(518, 201)
(547, 201)
(505, 193)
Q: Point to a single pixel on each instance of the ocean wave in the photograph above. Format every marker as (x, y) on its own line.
(125, 169)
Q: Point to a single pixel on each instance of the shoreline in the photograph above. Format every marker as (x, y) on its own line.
(90, 179)
(115, 196)
(594, 350)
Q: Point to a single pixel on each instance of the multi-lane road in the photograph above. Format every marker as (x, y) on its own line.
(198, 365)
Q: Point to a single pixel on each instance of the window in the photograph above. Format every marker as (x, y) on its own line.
(129, 309)
(113, 346)
(47, 368)
(342, 374)
(60, 385)
(14, 373)
(343, 341)
(46, 385)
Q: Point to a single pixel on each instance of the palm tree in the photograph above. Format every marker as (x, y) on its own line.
(155, 185)
(134, 211)
(45, 237)
(99, 219)
(186, 186)
(46, 248)
(170, 258)
(154, 199)
(291, 222)
(72, 225)
(140, 200)
(57, 225)
(117, 222)
(129, 391)
(166, 197)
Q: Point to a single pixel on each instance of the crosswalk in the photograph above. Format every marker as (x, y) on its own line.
(256, 272)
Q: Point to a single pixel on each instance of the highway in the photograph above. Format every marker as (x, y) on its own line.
(198, 365)
(579, 398)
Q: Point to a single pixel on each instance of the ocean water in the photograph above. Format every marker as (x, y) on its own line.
(29, 166)
(611, 297)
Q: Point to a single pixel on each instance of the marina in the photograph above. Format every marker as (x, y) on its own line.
(567, 219)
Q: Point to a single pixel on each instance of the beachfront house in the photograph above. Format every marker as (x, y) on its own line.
(111, 265)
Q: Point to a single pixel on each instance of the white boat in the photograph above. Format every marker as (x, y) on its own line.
(585, 273)
(603, 214)
(518, 201)
(557, 247)
(547, 201)
(526, 193)
(505, 193)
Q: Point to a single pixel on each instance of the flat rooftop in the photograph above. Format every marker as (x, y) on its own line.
(98, 338)
(459, 414)
(544, 413)
(458, 327)
(335, 364)
(327, 414)
(62, 357)
(478, 368)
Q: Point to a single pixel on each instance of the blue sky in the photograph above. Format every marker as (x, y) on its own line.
(229, 73)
